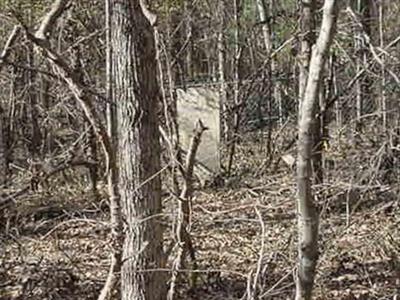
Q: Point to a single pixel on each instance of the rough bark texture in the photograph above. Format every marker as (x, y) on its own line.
(135, 92)
(307, 212)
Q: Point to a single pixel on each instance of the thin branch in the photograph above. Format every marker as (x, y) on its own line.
(150, 16)
(7, 47)
(48, 22)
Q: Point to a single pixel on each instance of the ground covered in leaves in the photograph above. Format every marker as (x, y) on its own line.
(54, 243)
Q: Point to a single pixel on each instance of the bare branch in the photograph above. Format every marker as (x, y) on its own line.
(7, 47)
(49, 20)
(190, 159)
(150, 16)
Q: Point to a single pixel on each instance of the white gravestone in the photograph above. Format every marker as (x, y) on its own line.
(200, 103)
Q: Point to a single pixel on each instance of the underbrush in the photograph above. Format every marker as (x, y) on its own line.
(55, 240)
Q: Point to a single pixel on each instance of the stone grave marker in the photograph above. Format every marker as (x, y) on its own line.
(200, 103)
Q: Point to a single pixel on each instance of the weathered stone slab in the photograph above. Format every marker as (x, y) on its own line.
(200, 103)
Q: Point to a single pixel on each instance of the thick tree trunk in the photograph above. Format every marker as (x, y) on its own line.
(135, 92)
(307, 212)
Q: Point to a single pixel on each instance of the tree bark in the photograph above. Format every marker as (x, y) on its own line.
(5, 123)
(307, 40)
(33, 113)
(383, 66)
(308, 218)
(189, 37)
(136, 94)
(221, 49)
(3, 149)
(363, 8)
(237, 78)
(266, 12)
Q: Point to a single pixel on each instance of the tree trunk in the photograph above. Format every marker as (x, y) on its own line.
(237, 6)
(307, 25)
(307, 212)
(189, 37)
(363, 8)
(135, 91)
(221, 49)
(383, 66)
(3, 149)
(265, 12)
(33, 113)
(6, 121)
(35, 132)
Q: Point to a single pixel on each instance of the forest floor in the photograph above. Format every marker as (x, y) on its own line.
(54, 244)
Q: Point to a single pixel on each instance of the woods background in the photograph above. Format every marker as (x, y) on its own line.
(226, 235)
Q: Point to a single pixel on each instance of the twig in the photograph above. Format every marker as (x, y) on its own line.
(47, 24)
(184, 242)
(7, 47)
(252, 290)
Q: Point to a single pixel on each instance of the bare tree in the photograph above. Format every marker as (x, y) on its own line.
(266, 15)
(307, 40)
(3, 119)
(136, 95)
(362, 33)
(4, 128)
(237, 78)
(308, 218)
(189, 38)
(221, 49)
(383, 71)
(83, 95)
(3, 149)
